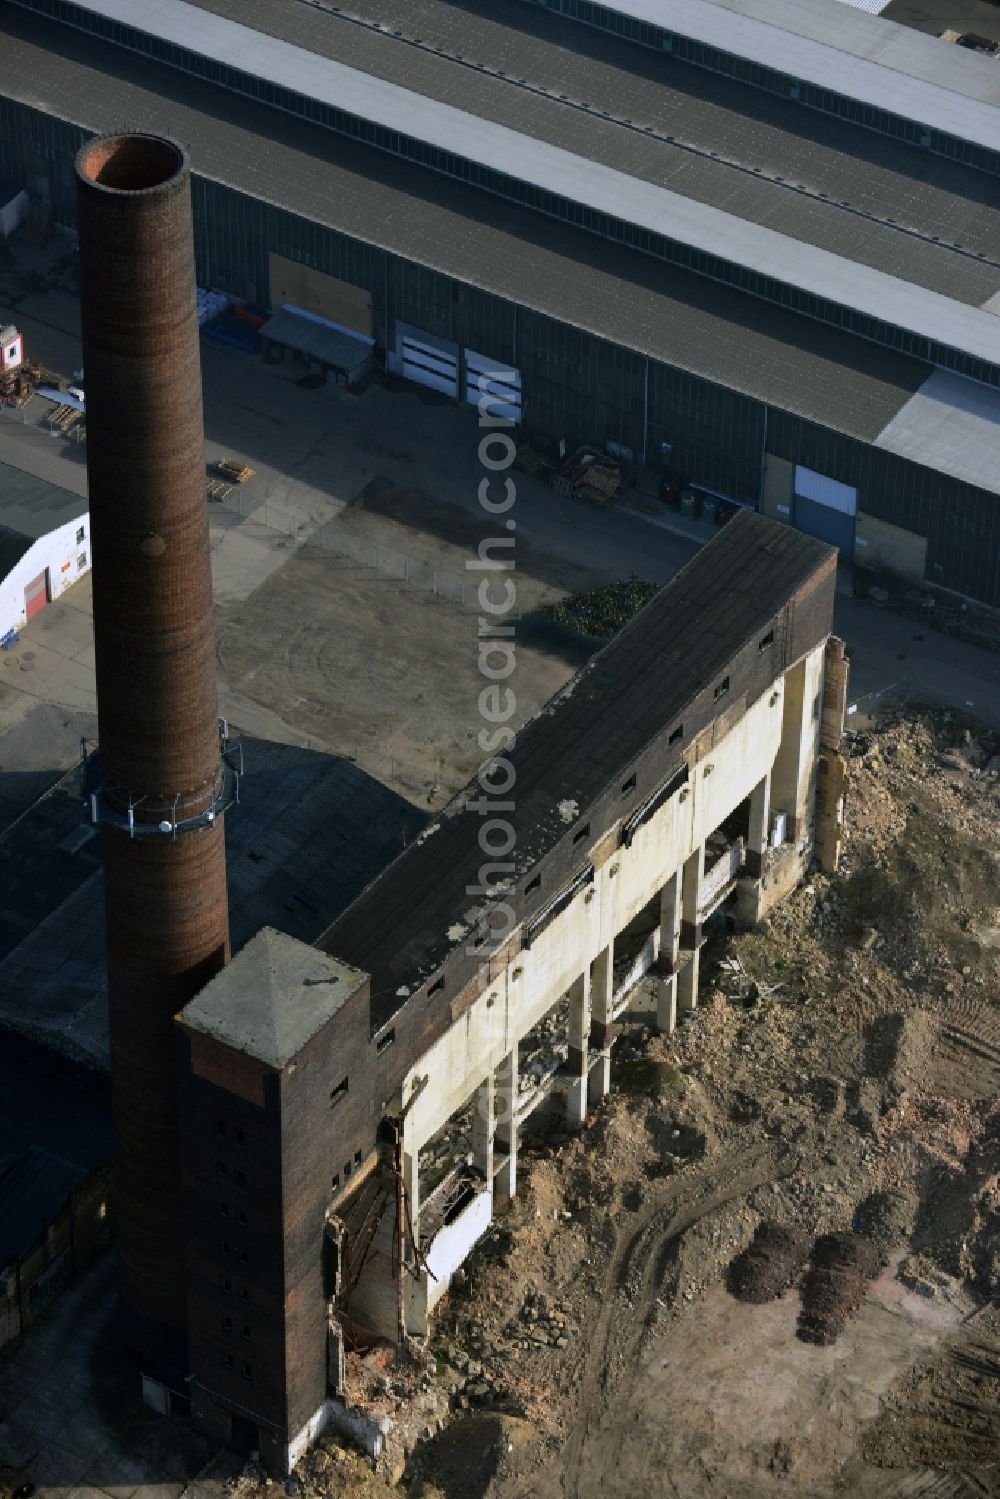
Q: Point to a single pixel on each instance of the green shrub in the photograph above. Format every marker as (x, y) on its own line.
(601, 612)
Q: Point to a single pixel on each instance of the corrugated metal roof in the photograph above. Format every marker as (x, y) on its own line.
(816, 178)
(31, 1195)
(952, 425)
(873, 7)
(588, 734)
(712, 331)
(318, 339)
(839, 48)
(33, 507)
(536, 164)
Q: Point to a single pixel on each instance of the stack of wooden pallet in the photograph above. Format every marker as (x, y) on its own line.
(17, 386)
(601, 481)
(531, 461)
(224, 475)
(591, 475)
(66, 418)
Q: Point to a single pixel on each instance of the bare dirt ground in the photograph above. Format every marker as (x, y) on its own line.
(849, 1047)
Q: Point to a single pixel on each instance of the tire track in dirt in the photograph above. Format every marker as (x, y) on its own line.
(633, 1266)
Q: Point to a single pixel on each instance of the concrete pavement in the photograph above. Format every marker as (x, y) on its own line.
(313, 451)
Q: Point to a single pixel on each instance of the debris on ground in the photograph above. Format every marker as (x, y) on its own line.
(841, 1267)
(771, 1264)
(887, 1218)
(837, 1087)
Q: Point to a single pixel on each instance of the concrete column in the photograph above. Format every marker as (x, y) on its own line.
(836, 671)
(760, 822)
(579, 1046)
(483, 1126)
(505, 1140)
(692, 876)
(831, 785)
(749, 888)
(412, 1293)
(411, 1182)
(666, 962)
(691, 881)
(687, 984)
(792, 772)
(601, 1024)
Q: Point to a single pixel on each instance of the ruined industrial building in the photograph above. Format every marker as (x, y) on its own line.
(692, 764)
(271, 1112)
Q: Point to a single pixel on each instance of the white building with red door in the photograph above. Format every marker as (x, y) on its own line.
(44, 545)
(11, 348)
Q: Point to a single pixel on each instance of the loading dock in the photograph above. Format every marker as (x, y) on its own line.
(427, 360)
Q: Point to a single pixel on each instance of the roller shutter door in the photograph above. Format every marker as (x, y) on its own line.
(825, 508)
(427, 360)
(489, 378)
(36, 594)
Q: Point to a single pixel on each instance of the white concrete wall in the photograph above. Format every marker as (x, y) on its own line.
(535, 979)
(793, 782)
(450, 1245)
(58, 551)
(374, 1302)
(330, 1414)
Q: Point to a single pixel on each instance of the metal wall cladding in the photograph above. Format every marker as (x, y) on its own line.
(166, 903)
(576, 386)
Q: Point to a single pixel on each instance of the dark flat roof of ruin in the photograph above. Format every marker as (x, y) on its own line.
(311, 832)
(403, 926)
(687, 321)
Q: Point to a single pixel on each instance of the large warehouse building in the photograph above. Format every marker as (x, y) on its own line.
(754, 242)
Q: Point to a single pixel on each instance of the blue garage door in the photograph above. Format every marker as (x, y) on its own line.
(825, 508)
(826, 524)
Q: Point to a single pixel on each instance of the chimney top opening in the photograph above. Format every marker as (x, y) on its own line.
(130, 163)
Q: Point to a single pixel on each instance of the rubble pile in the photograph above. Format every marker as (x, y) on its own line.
(842, 1069)
(887, 1218)
(450, 1147)
(544, 1048)
(841, 1267)
(771, 1263)
(542, 1323)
